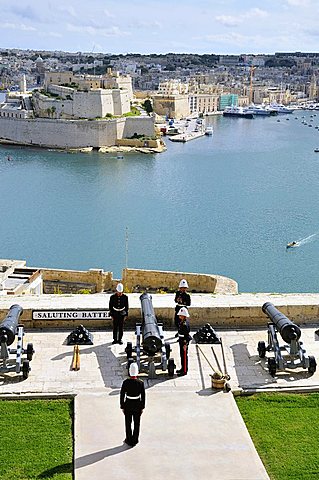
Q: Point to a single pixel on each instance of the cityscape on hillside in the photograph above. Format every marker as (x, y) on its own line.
(50, 96)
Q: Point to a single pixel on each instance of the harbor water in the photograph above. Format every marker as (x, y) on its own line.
(226, 204)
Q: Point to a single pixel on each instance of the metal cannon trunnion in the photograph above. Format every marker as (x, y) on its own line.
(150, 343)
(295, 355)
(9, 329)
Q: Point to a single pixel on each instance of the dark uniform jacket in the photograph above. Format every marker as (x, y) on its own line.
(132, 387)
(183, 331)
(118, 305)
(183, 299)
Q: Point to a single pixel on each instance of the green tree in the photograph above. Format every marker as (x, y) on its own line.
(148, 106)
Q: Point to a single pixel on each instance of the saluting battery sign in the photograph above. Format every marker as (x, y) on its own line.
(70, 314)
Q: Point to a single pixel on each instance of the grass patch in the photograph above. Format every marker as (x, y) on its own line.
(36, 439)
(284, 429)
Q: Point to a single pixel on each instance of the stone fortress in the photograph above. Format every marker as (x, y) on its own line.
(75, 111)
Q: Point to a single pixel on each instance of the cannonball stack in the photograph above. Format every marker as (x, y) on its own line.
(80, 336)
(206, 334)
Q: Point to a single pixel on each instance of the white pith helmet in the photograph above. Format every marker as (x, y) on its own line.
(133, 369)
(183, 283)
(183, 311)
(119, 287)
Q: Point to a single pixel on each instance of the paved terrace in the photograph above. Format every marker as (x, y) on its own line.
(188, 429)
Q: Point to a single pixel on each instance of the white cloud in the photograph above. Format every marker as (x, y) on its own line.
(108, 13)
(104, 32)
(69, 10)
(298, 3)
(235, 20)
(18, 26)
(228, 20)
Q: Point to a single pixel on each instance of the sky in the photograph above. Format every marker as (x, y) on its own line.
(161, 26)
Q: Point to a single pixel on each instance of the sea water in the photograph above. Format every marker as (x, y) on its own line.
(226, 204)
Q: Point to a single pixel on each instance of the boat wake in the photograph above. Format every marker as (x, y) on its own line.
(308, 239)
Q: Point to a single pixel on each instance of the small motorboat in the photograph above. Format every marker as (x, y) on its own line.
(209, 131)
(292, 244)
(316, 150)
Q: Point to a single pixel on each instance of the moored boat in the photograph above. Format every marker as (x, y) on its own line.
(237, 112)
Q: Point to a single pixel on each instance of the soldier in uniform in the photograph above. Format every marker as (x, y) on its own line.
(183, 339)
(182, 299)
(118, 307)
(132, 400)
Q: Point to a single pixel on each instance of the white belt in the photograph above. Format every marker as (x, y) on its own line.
(118, 309)
(181, 305)
(133, 398)
(181, 336)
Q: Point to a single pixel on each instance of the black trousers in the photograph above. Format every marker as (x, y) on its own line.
(118, 325)
(184, 356)
(135, 417)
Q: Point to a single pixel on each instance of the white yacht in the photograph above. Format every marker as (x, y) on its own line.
(209, 130)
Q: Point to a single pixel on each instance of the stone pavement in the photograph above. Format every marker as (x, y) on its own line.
(188, 430)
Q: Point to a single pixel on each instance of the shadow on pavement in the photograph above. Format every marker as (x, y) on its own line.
(253, 371)
(98, 456)
(102, 352)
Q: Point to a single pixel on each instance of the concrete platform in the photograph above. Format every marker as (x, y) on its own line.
(183, 435)
(188, 429)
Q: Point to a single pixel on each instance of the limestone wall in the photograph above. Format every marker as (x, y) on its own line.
(54, 133)
(72, 281)
(230, 311)
(170, 280)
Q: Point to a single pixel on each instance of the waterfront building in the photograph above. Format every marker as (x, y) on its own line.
(203, 103)
(227, 100)
(172, 106)
(173, 87)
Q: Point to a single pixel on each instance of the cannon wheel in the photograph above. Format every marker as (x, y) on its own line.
(261, 349)
(171, 367)
(30, 351)
(129, 350)
(25, 369)
(167, 349)
(312, 365)
(272, 366)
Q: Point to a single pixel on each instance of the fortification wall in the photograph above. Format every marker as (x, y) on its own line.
(54, 133)
(198, 282)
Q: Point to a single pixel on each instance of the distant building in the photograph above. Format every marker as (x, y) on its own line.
(173, 106)
(203, 103)
(227, 100)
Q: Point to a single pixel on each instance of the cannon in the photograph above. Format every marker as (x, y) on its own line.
(151, 351)
(295, 355)
(9, 329)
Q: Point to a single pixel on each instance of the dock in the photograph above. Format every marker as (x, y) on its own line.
(186, 137)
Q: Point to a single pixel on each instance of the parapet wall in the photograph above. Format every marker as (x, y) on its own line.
(97, 281)
(52, 133)
(221, 311)
(198, 282)
(75, 281)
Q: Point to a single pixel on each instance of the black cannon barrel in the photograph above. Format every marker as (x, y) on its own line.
(8, 326)
(288, 330)
(152, 342)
